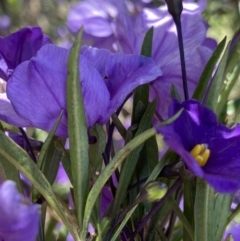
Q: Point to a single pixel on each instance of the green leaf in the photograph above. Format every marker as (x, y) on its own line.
(51, 163)
(181, 216)
(203, 212)
(174, 93)
(45, 148)
(142, 92)
(148, 158)
(158, 168)
(96, 150)
(119, 126)
(49, 158)
(217, 82)
(147, 43)
(1, 127)
(115, 163)
(208, 70)
(189, 195)
(231, 73)
(78, 138)
(110, 168)
(130, 164)
(21, 160)
(221, 211)
(9, 172)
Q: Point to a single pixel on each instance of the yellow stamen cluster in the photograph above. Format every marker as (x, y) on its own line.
(201, 154)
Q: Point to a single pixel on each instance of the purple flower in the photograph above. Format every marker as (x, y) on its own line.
(18, 220)
(7, 113)
(127, 28)
(37, 88)
(15, 49)
(5, 22)
(97, 17)
(197, 49)
(210, 150)
(19, 47)
(62, 177)
(234, 230)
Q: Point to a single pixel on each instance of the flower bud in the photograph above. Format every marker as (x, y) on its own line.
(175, 7)
(153, 191)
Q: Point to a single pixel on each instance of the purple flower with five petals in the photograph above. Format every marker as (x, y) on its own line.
(18, 220)
(210, 150)
(37, 88)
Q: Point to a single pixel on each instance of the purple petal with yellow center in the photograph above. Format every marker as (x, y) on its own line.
(198, 125)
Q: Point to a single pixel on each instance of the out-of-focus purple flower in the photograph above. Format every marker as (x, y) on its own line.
(5, 22)
(106, 200)
(234, 230)
(37, 89)
(209, 150)
(165, 52)
(97, 17)
(19, 47)
(62, 177)
(126, 31)
(18, 220)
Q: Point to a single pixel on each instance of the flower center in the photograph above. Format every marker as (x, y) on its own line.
(201, 154)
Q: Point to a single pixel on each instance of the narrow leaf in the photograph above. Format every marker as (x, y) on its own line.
(208, 71)
(21, 160)
(115, 163)
(158, 168)
(147, 43)
(129, 166)
(142, 92)
(217, 82)
(9, 172)
(181, 216)
(222, 209)
(77, 129)
(47, 142)
(110, 168)
(203, 216)
(48, 159)
(96, 149)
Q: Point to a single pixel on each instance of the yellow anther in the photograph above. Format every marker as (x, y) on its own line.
(197, 150)
(201, 154)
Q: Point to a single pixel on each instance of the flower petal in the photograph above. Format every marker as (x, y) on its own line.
(21, 46)
(125, 73)
(18, 220)
(8, 114)
(37, 90)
